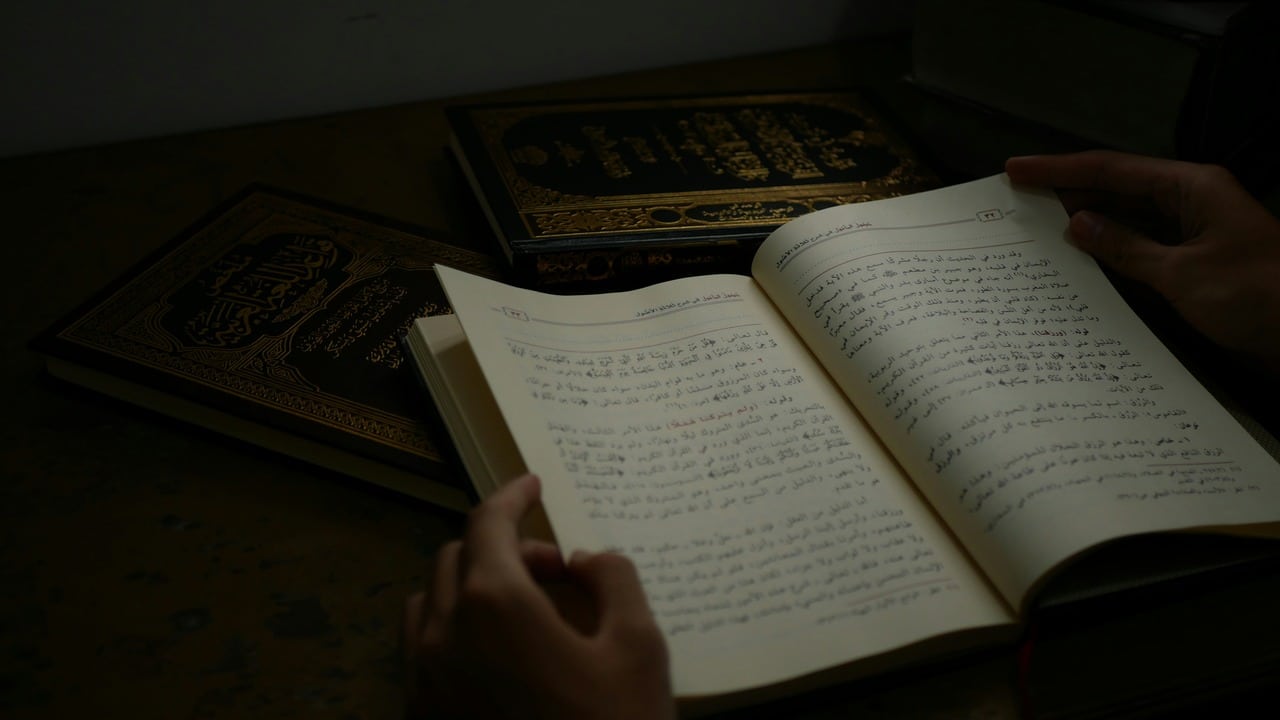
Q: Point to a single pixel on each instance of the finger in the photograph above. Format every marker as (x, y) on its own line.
(1108, 171)
(411, 630)
(497, 593)
(543, 560)
(620, 600)
(492, 535)
(444, 585)
(411, 624)
(1118, 247)
(1106, 203)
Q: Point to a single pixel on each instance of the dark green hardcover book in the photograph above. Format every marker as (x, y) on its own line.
(277, 320)
(610, 194)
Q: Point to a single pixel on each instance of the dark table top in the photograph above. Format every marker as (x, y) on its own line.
(151, 568)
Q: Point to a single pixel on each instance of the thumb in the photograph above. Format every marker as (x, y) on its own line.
(620, 600)
(1120, 248)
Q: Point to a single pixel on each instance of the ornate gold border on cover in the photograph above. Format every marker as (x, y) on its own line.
(255, 373)
(548, 213)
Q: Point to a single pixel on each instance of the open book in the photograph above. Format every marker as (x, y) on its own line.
(877, 449)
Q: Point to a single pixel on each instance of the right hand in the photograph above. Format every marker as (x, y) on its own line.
(491, 637)
(1219, 265)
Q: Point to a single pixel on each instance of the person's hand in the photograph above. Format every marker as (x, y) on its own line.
(1188, 231)
(490, 639)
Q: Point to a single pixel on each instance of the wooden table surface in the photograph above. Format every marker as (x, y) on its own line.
(152, 569)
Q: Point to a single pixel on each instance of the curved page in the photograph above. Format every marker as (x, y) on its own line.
(684, 426)
(1026, 399)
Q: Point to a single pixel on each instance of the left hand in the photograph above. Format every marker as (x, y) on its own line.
(488, 640)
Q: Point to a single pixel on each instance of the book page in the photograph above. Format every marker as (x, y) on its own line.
(684, 426)
(1035, 410)
(475, 425)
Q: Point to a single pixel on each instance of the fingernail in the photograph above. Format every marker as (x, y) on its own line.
(579, 556)
(1085, 226)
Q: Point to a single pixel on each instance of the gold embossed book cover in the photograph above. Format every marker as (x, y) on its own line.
(614, 193)
(278, 320)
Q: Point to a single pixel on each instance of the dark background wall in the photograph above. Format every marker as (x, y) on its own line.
(79, 72)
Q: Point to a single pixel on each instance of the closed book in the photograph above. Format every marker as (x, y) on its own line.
(607, 194)
(277, 320)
